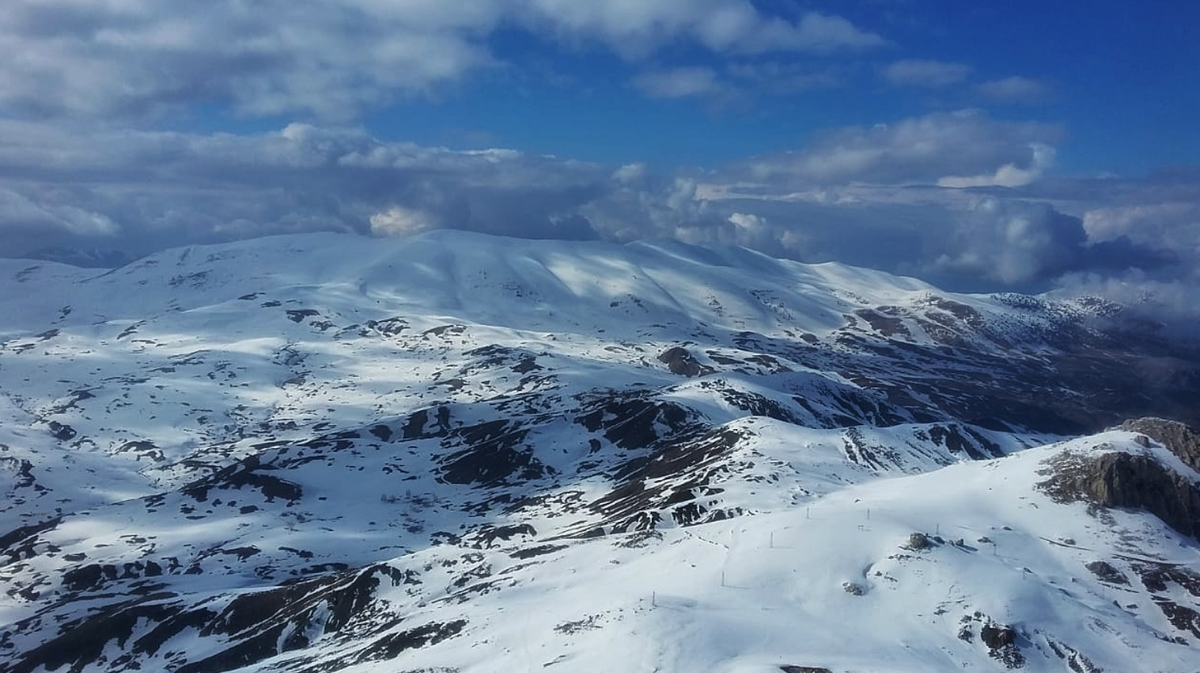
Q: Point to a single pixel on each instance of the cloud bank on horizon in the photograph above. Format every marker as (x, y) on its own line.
(979, 148)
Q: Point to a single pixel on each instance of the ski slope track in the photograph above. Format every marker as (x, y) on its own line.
(458, 453)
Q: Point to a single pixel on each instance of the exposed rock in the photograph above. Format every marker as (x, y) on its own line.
(1105, 572)
(247, 472)
(1119, 479)
(918, 541)
(853, 588)
(804, 669)
(1074, 659)
(495, 453)
(1001, 642)
(1179, 439)
(995, 636)
(680, 361)
(62, 432)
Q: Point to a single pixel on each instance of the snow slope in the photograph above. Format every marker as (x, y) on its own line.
(459, 452)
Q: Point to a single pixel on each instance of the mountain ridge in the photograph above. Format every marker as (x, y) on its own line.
(323, 452)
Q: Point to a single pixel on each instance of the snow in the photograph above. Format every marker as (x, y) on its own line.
(313, 356)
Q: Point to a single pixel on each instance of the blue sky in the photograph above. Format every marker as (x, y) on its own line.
(1120, 78)
(982, 145)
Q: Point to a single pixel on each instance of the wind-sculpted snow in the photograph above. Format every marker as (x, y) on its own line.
(462, 453)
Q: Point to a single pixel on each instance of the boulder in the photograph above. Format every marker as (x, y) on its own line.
(680, 361)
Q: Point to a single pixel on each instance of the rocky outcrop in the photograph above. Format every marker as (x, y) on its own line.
(680, 361)
(1120, 479)
(1178, 438)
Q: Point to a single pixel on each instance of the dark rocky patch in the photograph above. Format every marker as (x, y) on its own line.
(82, 643)
(755, 404)
(1105, 572)
(383, 432)
(959, 439)
(681, 361)
(1075, 660)
(95, 576)
(919, 541)
(495, 453)
(19, 543)
(645, 488)
(444, 331)
(417, 425)
(539, 550)
(61, 431)
(299, 314)
(142, 448)
(22, 470)
(1156, 576)
(247, 472)
(1181, 617)
(631, 421)
(1001, 642)
(392, 645)
(388, 326)
(254, 622)
(488, 535)
(886, 325)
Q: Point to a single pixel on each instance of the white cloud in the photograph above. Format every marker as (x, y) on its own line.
(139, 192)
(924, 73)
(630, 173)
(679, 83)
(1172, 225)
(334, 59)
(823, 32)
(58, 187)
(782, 77)
(41, 211)
(1014, 90)
(400, 221)
(1008, 175)
(636, 28)
(1014, 242)
(919, 150)
(747, 221)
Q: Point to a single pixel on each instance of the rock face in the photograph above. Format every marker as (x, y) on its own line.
(1136, 481)
(1179, 439)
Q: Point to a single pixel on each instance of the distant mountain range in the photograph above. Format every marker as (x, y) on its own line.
(455, 452)
(88, 258)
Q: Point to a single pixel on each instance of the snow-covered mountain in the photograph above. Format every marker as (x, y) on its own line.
(455, 452)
